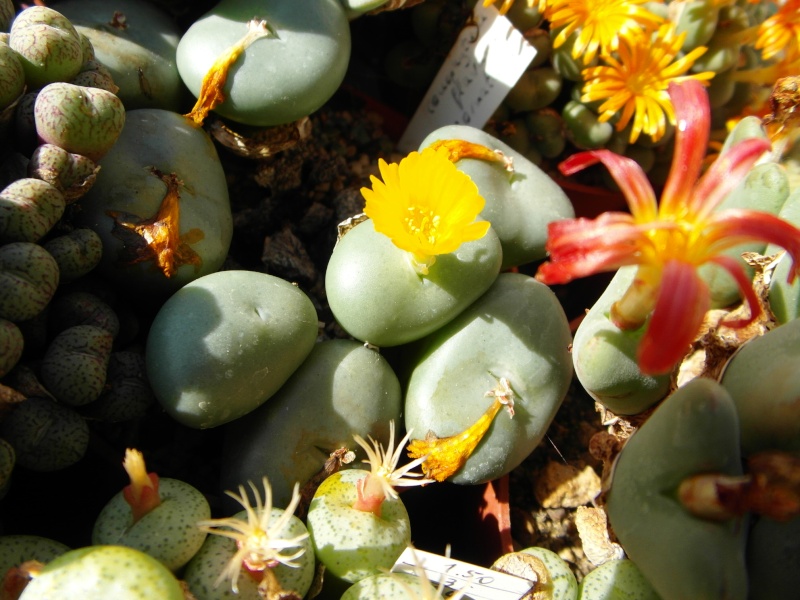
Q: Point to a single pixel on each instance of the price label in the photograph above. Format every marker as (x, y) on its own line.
(481, 583)
(486, 61)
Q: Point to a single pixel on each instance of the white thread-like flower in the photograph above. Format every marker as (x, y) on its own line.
(259, 539)
(383, 465)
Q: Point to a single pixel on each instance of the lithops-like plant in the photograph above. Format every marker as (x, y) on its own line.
(74, 365)
(72, 174)
(48, 46)
(77, 252)
(616, 579)
(343, 386)
(160, 204)
(604, 356)
(103, 572)
(357, 521)
(81, 120)
(45, 435)
(694, 431)
(155, 515)
(553, 577)
(81, 308)
(11, 345)
(265, 64)
(19, 549)
(261, 551)
(28, 210)
(521, 199)
(136, 42)
(127, 394)
(12, 76)
(248, 332)
(485, 387)
(421, 258)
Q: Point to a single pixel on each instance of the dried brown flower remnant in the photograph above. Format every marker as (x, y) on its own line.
(158, 238)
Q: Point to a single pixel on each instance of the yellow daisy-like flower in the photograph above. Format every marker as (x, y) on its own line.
(634, 83)
(780, 32)
(600, 24)
(425, 205)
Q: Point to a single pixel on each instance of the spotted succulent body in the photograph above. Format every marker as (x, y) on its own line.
(354, 544)
(202, 574)
(168, 533)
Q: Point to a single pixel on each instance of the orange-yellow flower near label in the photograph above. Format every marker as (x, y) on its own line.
(633, 83)
(425, 205)
(669, 240)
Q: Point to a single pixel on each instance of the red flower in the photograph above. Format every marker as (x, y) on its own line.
(671, 239)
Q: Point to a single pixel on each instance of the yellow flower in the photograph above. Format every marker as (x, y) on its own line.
(600, 24)
(425, 205)
(634, 84)
(780, 32)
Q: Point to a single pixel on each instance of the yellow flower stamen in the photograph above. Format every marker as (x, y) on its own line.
(443, 457)
(425, 205)
(634, 84)
(211, 94)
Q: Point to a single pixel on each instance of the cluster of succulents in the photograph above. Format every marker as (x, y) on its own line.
(444, 335)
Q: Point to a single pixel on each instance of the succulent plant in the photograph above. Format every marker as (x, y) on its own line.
(508, 350)
(29, 277)
(82, 308)
(8, 459)
(605, 356)
(760, 379)
(136, 43)
(46, 436)
(29, 208)
(94, 74)
(343, 387)
(240, 356)
(155, 515)
(12, 76)
(269, 544)
(76, 253)
(47, 44)
(102, 572)
(160, 204)
(74, 365)
(357, 521)
(552, 575)
(7, 10)
(616, 579)
(695, 430)
(281, 68)
(81, 120)
(72, 174)
(17, 550)
(11, 345)
(127, 394)
(521, 199)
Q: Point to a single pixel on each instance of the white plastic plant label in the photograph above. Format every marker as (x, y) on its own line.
(481, 583)
(488, 58)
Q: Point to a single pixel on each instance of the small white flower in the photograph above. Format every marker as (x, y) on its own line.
(259, 542)
(383, 464)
